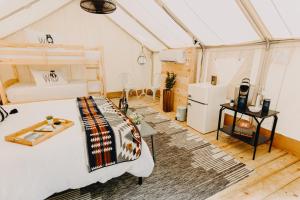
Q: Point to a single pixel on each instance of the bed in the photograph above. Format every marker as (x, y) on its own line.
(57, 164)
(30, 92)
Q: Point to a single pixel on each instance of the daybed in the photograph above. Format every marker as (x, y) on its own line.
(30, 92)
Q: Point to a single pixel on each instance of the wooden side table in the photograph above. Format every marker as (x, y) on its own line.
(256, 138)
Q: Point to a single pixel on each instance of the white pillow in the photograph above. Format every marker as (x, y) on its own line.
(48, 77)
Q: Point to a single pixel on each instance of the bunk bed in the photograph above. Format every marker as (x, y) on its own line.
(28, 56)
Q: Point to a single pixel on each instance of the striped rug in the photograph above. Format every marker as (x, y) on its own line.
(187, 167)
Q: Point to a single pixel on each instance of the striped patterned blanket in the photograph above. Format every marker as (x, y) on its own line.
(111, 137)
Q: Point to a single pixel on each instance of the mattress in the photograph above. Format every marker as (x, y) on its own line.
(29, 92)
(56, 164)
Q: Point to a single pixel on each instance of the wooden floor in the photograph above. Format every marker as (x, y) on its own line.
(276, 175)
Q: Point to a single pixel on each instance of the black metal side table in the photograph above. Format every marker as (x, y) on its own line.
(256, 138)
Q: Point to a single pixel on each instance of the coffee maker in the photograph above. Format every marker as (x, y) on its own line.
(243, 94)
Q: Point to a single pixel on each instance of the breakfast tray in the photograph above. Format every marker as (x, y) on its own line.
(39, 132)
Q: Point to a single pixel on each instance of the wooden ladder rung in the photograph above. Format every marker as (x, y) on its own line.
(95, 68)
(94, 92)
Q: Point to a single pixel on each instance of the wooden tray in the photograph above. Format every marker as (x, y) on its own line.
(42, 136)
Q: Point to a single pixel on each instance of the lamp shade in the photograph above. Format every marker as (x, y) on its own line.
(142, 59)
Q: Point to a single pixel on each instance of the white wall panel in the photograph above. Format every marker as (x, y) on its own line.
(288, 102)
(231, 65)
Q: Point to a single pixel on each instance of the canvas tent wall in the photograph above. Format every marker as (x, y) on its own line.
(252, 38)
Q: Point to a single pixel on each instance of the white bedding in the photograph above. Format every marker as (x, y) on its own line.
(60, 163)
(29, 92)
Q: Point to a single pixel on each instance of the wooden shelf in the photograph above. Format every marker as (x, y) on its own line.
(249, 140)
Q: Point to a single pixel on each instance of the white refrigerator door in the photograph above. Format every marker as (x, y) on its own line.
(197, 116)
(198, 92)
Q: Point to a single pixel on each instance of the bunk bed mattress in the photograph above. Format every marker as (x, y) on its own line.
(57, 164)
(29, 92)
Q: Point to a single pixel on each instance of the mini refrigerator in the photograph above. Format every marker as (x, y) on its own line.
(204, 102)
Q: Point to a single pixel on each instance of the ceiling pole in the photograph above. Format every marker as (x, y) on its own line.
(283, 41)
(141, 24)
(189, 32)
(258, 25)
(246, 44)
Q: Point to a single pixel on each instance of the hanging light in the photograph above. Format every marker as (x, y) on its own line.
(142, 59)
(98, 6)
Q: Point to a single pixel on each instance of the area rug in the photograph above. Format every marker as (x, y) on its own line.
(186, 167)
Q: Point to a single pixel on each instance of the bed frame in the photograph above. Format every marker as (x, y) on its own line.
(35, 54)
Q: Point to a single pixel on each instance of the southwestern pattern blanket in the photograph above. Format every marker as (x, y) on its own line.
(110, 136)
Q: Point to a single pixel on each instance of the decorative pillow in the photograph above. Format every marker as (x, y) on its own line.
(48, 77)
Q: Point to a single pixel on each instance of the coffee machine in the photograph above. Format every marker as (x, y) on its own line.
(243, 94)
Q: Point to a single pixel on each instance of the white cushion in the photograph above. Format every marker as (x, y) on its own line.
(48, 77)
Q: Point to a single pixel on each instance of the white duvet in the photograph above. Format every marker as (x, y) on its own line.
(60, 163)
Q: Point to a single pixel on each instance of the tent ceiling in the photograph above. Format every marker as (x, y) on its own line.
(26, 16)
(152, 16)
(13, 5)
(280, 16)
(213, 22)
(136, 30)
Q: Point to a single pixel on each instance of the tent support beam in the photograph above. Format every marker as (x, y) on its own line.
(141, 24)
(257, 43)
(284, 41)
(247, 44)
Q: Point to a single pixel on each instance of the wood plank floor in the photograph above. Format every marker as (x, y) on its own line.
(276, 175)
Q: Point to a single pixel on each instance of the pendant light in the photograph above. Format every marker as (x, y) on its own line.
(98, 6)
(142, 59)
